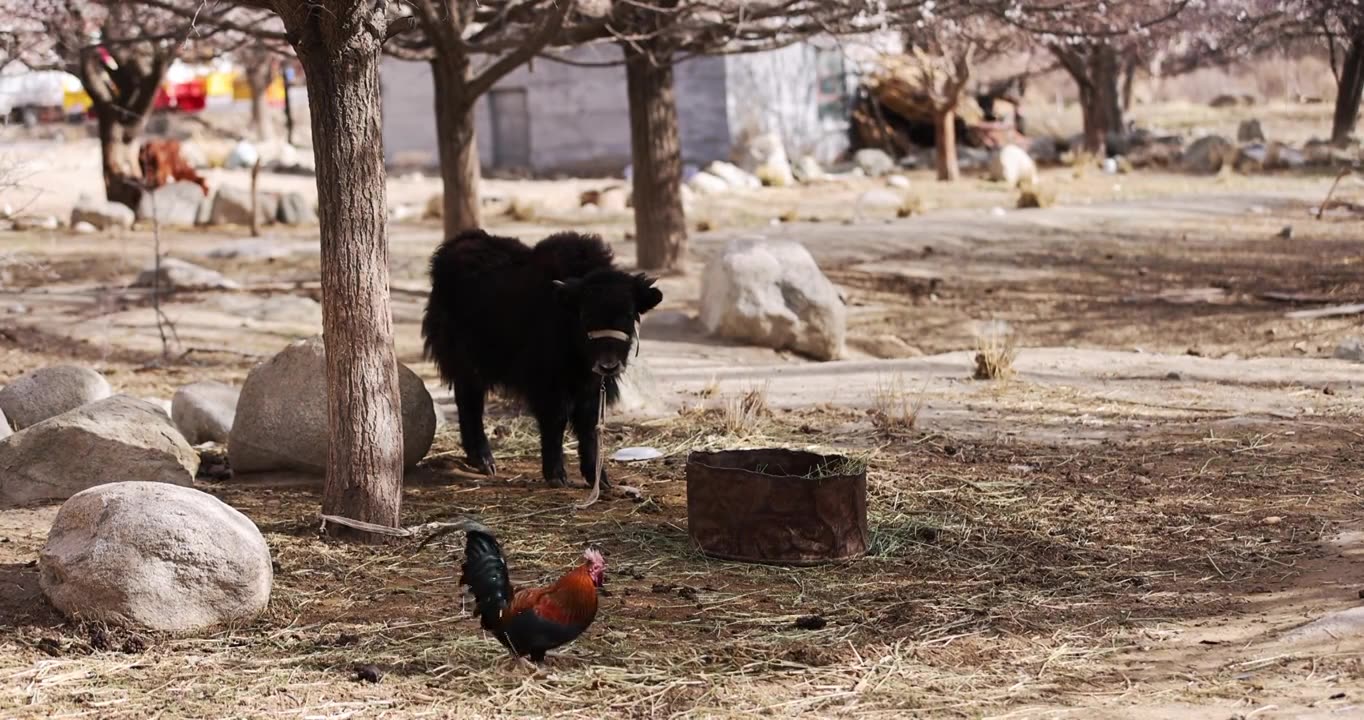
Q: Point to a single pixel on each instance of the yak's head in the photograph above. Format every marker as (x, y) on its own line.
(608, 305)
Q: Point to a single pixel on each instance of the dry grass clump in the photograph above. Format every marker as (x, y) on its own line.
(996, 350)
(522, 210)
(1032, 196)
(743, 414)
(893, 407)
(910, 206)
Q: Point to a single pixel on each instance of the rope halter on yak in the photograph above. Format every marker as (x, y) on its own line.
(617, 335)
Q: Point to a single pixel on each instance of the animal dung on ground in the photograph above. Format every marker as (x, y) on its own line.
(775, 506)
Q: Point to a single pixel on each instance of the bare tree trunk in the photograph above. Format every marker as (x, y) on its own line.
(945, 144)
(1129, 76)
(457, 145)
(118, 156)
(288, 114)
(1348, 92)
(1106, 99)
(255, 199)
(365, 453)
(656, 146)
(259, 80)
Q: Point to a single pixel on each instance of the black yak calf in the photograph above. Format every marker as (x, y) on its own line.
(549, 324)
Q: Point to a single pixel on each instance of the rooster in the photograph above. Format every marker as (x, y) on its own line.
(530, 621)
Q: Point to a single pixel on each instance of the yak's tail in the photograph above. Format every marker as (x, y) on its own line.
(485, 572)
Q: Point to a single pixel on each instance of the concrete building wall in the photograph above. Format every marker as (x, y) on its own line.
(579, 118)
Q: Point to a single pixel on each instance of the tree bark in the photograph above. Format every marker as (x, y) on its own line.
(1348, 92)
(457, 145)
(288, 112)
(1097, 74)
(1129, 76)
(656, 147)
(365, 449)
(945, 144)
(118, 157)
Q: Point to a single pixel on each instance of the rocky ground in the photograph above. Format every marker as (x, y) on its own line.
(1142, 517)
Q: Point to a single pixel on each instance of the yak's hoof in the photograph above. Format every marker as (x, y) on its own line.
(484, 465)
(605, 482)
(557, 479)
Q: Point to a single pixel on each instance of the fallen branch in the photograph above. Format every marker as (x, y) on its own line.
(1321, 211)
(1332, 311)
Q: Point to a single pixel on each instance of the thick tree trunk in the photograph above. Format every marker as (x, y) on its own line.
(656, 147)
(457, 145)
(118, 156)
(1098, 75)
(945, 143)
(1348, 92)
(365, 453)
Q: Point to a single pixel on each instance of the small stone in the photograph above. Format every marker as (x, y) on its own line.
(898, 181)
(180, 275)
(1272, 520)
(83, 228)
(38, 222)
(368, 673)
(1172, 375)
(1351, 349)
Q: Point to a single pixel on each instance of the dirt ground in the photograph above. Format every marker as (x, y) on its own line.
(1141, 521)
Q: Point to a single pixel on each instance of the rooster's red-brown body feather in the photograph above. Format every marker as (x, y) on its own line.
(531, 621)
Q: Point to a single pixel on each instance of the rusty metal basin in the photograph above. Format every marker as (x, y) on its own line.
(779, 507)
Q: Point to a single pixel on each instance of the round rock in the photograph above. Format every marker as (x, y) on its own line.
(155, 556)
(49, 392)
(204, 410)
(114, 440)
(281, 418)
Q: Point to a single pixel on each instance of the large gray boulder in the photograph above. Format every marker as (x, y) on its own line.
(874, 162)
(51, 391)
(294, 209)
(102, 214)
(773, 294)
(232, 206)
(203, 411)
(281, 419)
(176, 204)
(733, 175)
(1208, 154)
(156, 557)
(180, 275)
(113, 440)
